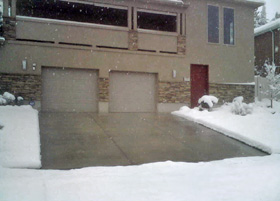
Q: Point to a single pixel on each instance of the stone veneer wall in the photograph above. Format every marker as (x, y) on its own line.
(103, 89)
(9, 28)
(27, 86)
(174, 92)
(133, 40)
(226, 92)
(181, 45)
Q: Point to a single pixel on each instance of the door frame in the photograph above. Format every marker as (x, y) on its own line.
(191, 80)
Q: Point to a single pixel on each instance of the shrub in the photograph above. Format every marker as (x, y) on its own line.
(207, 102)
(240, 108)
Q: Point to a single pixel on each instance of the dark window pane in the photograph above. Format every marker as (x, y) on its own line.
(63, 10)
(228, 26)
(213, 24)
(156, 21)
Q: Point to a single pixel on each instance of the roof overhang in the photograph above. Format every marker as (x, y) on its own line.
(252, 3)
(267, 27)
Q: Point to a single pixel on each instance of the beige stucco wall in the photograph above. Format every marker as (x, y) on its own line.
(226, 63)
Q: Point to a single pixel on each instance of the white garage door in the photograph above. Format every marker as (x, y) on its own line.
(132, 92)
(69, 90)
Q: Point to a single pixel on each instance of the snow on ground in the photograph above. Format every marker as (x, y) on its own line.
(260, 129)
(19, 138)
(249, 178)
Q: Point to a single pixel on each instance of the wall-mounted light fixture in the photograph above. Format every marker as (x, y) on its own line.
(186, 79)
(174, 73)
(34, 66)
(24, 64)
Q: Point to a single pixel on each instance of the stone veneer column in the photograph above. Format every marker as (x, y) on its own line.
(133, 40)
(27, 86)
(9, 28)
(181, 44)
(174, 92)
(103, 89)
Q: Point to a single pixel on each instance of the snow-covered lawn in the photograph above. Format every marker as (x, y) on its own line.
(250, 179)
(260, 129)
(19, 138)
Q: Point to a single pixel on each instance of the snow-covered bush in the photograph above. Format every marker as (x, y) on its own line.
(207, 102)
(273, 81)
(2, 100)
(240, 108)
(8, 98)
(19, 100)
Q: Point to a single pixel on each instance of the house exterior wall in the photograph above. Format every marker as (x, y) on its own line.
(277, 47)
(227, 63)
(263, 48)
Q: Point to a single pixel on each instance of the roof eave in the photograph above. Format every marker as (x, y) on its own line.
(257, 33)
(254, 4)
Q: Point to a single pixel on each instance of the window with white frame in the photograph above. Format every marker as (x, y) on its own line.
(229, 26)
(213, 24)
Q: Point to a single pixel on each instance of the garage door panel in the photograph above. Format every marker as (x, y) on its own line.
(68, 90)
(132, 92)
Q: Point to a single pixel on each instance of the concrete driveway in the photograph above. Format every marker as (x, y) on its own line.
(75, 140)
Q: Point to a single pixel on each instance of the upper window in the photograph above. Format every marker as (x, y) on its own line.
(70, 11)
(228, 26)
(158, 21)
(213, 24)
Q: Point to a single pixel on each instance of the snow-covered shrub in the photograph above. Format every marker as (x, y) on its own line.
(20, 100)
(2, 100)
(207, 102)
(273, 81)
(240, 108)
(9, 97)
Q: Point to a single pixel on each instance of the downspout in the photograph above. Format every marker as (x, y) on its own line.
(273, 59)
(273, 46)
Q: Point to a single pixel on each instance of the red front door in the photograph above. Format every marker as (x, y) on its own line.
(199, 83)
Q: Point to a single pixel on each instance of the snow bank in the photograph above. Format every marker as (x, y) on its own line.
(19, 138)
(260, 129)
(249, 178)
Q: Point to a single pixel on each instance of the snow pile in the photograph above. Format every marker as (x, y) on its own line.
(240, 108)
(249, 178)
(259, 129)
(19, 138)
(209, 100)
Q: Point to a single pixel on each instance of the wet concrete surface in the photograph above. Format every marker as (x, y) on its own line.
(76, 140)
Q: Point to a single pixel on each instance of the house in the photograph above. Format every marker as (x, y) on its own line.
(267, 44)
(127, 56)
